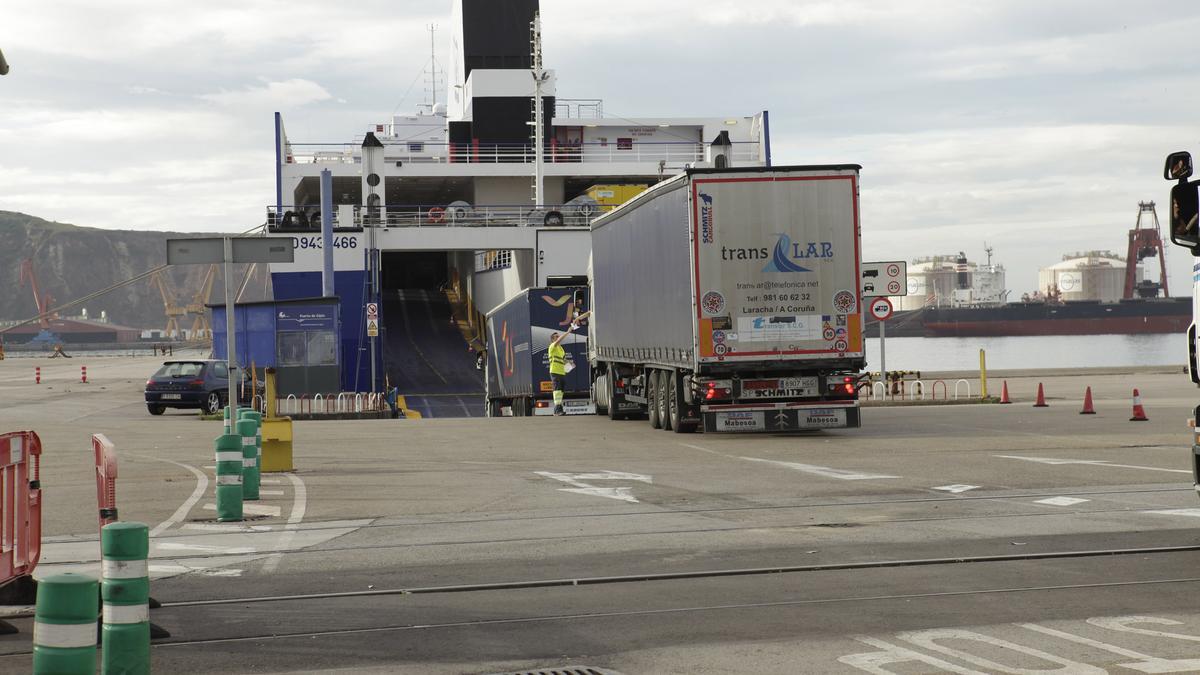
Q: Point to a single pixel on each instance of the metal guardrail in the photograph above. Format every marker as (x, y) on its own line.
(307, 218)
(609, 152)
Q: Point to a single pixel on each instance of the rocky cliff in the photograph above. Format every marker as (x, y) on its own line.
(72, 262)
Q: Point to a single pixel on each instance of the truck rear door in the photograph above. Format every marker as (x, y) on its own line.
(776, 257)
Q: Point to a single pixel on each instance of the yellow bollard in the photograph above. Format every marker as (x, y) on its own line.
(982, 374)
(276, 433)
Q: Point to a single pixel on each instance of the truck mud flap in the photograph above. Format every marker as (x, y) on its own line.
(782, 420)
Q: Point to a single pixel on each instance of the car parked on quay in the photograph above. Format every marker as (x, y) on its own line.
(193, 383)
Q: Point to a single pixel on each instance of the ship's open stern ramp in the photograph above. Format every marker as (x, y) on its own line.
(427, 357)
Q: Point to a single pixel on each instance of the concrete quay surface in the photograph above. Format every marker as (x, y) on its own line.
(977, 538)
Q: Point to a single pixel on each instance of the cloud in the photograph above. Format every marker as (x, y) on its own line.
(273, 95)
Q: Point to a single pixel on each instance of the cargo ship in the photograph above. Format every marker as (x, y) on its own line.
(1088, 293)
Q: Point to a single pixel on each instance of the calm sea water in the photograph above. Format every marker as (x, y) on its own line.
(1053, 351)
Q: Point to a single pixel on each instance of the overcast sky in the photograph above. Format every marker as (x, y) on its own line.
(1034, 126)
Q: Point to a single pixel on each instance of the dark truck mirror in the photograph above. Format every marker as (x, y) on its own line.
(1178, 166)
(1185, 206)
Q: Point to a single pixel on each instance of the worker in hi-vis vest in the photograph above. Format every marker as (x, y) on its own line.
(558, 363)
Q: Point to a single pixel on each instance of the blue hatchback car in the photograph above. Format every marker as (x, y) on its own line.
(191, 383)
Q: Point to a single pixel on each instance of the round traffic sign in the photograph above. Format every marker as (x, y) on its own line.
(881, 308)
(894, 287)
(893, 270)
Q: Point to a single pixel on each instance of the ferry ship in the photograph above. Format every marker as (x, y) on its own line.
(441, 215)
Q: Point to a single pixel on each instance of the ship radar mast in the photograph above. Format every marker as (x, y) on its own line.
(539, 78)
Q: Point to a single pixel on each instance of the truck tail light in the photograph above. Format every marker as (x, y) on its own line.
(848, 384)
(543, 404)
(717, 389)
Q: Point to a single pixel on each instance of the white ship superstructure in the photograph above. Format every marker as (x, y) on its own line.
(446, 199)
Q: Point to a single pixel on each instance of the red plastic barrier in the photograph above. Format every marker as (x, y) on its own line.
(20, 504)
(106, 479)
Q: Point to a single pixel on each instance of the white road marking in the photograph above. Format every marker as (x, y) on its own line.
(1149, 664)
(222, 527)
(299, 505)
(271, 493)
(928, 639)
(1061, 501)
(824, 471)
(182, 512)
(1094, 462)
(252, 509)
(270, 481)
(579, 487)
(203, 552)
(1195, 513)
(807, 468)
(957, 488)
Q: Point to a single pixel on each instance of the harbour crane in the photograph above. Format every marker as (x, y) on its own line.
(173, 311)
(201, 329)
(1145, 242)
(42, 302)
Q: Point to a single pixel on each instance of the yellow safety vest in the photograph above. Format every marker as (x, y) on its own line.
(558, 360)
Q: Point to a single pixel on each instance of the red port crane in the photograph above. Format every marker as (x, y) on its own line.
(1145, 242)
(43, 302)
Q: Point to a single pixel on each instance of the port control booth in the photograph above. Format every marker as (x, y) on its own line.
(298, 338)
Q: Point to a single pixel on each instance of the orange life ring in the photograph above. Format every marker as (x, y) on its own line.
(437, 214)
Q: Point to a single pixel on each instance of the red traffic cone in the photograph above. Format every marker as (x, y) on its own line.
(1004, 393)
(1041, 399)
(1087, 403)
(1139, 413)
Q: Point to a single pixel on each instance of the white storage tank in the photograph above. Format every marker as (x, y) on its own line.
(1088, 275)
(933, 280)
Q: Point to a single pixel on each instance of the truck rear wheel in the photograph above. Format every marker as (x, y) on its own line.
(660, 399)
(666, 380)
(676, 404)
(651, 377)
(610, 392)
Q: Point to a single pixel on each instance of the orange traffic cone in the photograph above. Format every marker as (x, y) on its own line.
(1087, 403)
(1004, 393)
(1041, 399)
(1139, 413)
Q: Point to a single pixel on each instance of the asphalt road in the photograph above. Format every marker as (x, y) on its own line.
(960, 539)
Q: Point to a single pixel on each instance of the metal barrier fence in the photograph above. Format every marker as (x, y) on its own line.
(106, 479)
(331, 404)
(20, 504)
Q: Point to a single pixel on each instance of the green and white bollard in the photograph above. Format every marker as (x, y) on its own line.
(257, 417)
(248, 429)
(64, 625)
(228, 429)
(125, 593)
(229, 477)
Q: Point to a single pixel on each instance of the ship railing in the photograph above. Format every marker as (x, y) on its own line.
(307, 218)
(673, 154)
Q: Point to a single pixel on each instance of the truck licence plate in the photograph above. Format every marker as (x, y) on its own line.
(822, 418)
(748, 420)
(784, 387)
(170, 397)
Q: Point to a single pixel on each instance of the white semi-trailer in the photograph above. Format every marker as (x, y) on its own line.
(729, 300)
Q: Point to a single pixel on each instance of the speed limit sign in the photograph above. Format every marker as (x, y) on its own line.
(881, 308)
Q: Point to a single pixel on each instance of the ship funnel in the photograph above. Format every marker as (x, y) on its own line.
(962, 273)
